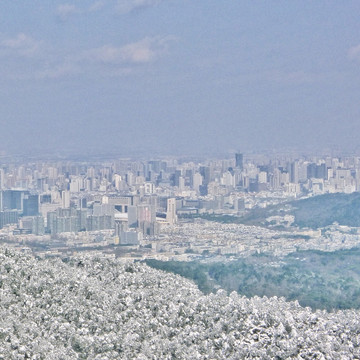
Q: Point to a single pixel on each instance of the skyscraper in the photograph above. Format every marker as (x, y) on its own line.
(2, 179)
(31, 205)
(239, 161)
(206, 174)
(171, 211)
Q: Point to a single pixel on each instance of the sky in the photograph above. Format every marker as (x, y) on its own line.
(179, 76)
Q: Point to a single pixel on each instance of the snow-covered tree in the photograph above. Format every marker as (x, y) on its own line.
(92, 308)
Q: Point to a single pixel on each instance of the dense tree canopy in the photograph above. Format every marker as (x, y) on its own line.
(93, 308)
(319, 279)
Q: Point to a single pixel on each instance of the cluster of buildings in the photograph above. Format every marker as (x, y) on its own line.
(136, 198)
(189, 241)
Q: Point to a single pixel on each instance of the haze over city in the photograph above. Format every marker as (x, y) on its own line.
(171, 77)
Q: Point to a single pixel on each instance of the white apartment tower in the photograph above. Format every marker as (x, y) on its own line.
(65, 199)
(171, 217)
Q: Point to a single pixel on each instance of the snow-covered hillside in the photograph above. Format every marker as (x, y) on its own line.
(91, 308)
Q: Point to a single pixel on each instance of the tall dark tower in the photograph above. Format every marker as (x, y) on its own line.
(239, 161)
(205, 172)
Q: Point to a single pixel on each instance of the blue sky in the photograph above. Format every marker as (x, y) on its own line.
(179, 76)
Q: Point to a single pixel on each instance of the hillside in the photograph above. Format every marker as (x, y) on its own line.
(90, 308)
(320, 280)
(323, 210)
(314, 212)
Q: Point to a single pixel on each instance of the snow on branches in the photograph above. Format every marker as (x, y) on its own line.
(92, 308)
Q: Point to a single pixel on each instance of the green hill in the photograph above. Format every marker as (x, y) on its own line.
(324, 210)
(321, 280)
(313, 212)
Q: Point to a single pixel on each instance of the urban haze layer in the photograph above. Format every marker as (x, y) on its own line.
(178, 209)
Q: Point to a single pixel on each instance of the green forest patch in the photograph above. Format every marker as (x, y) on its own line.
(321, 280)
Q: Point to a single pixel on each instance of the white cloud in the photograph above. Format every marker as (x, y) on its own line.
(143, 51)
(354, 53)
(22, 45)
(58, 71)
(108, 59)
(66, 10)
(97, 5)
(125, 6)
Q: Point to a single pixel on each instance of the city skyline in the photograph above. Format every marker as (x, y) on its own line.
(131, 202)
(178, 77)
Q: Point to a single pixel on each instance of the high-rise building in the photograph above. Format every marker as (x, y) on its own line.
(13, 199)
(65, 199)
(31, 205)
(317, 171)
(2, 179)
(239, 161)
(206, 174)
(130, 237)
(176, 178)
(294, 172)
(171, 217)
(197, 182)
(99, 222)
(8, 217)
(33, 224)
(149, 188)
(146, 215)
